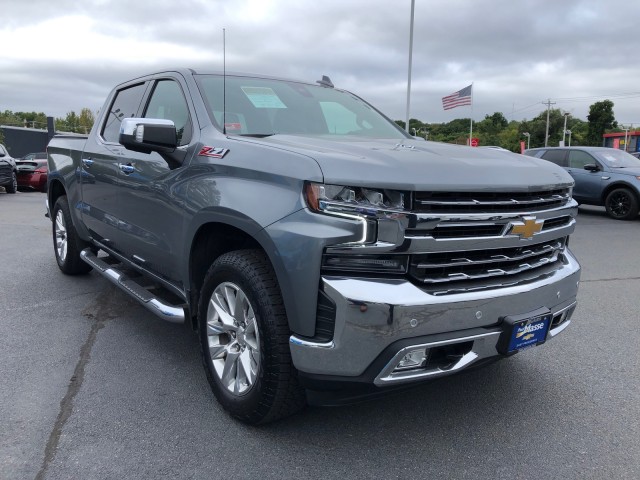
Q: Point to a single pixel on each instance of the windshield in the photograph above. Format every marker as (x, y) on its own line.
(259, 106)
(618, 159)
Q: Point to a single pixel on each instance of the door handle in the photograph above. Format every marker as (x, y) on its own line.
(127, 168)
(87, 162)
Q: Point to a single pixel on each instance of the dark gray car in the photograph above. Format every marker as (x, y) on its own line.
(8, 178)
(603, 176)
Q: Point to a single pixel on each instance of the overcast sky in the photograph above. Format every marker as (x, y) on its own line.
(63, 55)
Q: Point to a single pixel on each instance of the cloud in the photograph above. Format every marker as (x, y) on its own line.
(67, 55)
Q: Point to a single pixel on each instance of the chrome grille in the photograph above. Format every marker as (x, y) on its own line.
(464, 266)
(489, 202)
(475, 229)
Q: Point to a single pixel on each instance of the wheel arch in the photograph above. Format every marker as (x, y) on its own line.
(616, 185)
(217, 236)
(55, 191)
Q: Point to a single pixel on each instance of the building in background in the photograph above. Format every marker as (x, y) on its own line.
(22, 140)
(616, 140)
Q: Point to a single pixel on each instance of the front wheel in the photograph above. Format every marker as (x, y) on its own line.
(13, 186)
(622, 204)
(67, 245)
(244, 336)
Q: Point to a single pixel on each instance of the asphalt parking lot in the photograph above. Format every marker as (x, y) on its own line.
(94, 386)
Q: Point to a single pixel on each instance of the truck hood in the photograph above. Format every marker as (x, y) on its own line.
(417, 165)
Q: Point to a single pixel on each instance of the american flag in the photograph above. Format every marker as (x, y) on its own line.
(457, 99)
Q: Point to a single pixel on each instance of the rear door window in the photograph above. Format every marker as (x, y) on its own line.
(125, 105)
(558, 157)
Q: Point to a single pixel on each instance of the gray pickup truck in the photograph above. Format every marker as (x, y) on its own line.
(321, 253)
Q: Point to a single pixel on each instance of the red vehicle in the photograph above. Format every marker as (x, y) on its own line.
(32, 171)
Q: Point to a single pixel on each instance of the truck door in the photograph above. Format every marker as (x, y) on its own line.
(99, 174)
(150, 207)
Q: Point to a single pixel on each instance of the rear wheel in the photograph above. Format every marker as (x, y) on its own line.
(66, 243)
(244, 336)
(622, 204)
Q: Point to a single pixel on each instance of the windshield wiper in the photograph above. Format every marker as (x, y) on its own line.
(257, 135)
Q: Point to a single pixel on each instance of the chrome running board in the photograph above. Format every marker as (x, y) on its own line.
(166, 311)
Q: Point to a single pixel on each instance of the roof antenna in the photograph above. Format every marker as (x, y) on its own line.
(325, 82)
(224, 83)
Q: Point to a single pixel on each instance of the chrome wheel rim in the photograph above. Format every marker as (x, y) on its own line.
(233, 338)
(620, 204)
(61, 236)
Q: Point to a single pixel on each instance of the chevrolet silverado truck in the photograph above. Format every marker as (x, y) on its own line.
(321, 253)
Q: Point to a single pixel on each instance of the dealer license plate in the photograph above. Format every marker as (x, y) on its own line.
(524, 331)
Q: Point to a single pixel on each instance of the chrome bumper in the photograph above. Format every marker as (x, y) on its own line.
(372, 314)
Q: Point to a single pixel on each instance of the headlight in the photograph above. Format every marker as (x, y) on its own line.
(366, 202)
(365, 205)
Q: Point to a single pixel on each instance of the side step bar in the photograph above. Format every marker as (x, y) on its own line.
(168, 312)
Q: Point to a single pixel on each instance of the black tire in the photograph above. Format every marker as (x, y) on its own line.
(13, 186)
(621, 204)
(64, 232)
(273, 392)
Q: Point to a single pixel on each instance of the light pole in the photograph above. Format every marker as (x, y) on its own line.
(528, 135)
(564, 130)
(626, 132)
(569, 132)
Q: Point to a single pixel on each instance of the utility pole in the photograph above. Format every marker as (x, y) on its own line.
(548, 103)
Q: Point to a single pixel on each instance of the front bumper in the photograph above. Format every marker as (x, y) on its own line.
(378, 319)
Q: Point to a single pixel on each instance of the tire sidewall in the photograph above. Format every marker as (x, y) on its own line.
(60, 207)
(243, 405)
(72, 264)
(13, 186)
(633, 204)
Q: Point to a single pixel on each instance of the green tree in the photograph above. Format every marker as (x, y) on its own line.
(537, 128)
(510, 137)
(9, 118)
(600, 119)
(85, 120)
(488, 130)
(32, 119)
(70, 123)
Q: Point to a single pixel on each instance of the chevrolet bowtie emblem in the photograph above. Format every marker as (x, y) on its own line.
(527, 228)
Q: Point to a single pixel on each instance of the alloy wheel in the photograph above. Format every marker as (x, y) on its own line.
(233, 338)
(619, 204)
(61, 236)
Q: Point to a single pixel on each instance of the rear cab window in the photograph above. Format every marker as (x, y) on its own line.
(125, 105)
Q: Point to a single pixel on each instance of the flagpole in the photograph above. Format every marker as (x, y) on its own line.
(413, 3)
(471, 122)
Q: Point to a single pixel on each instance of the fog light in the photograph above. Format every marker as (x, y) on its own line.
(413, 359)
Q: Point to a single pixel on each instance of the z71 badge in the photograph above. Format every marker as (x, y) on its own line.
(215, 152)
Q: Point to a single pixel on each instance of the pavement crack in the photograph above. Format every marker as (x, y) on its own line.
(101, 316)
(609, 279)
